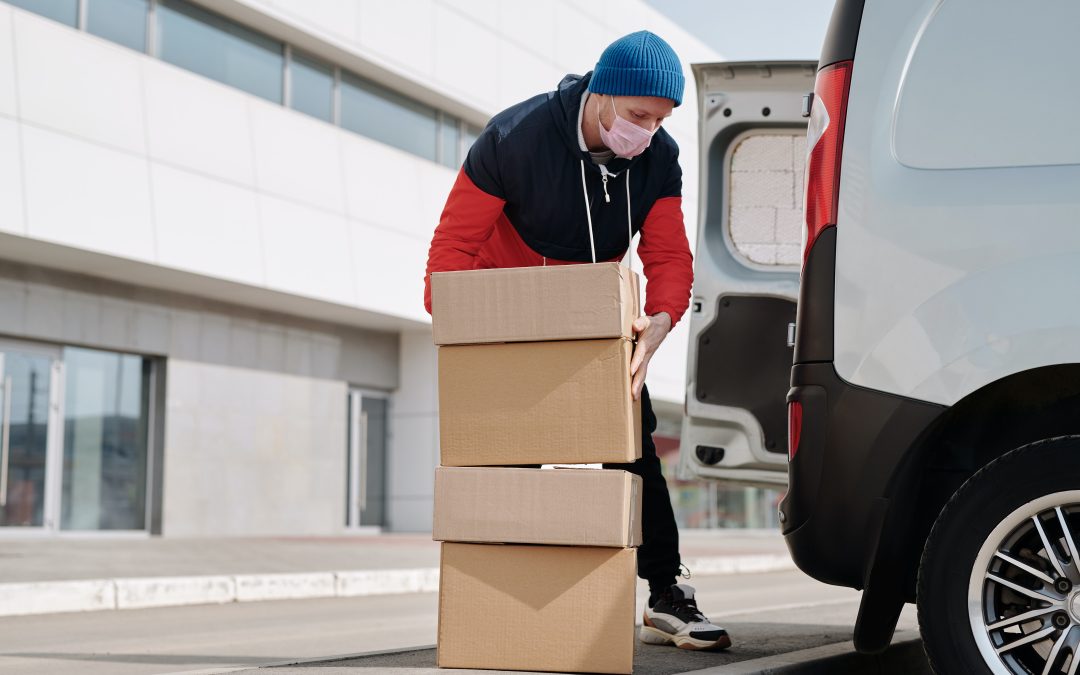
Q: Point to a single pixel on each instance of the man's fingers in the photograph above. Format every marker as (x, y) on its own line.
(640, 359)
(643, 350)
(638, 382)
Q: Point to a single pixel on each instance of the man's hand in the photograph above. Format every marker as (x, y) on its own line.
(650, 332)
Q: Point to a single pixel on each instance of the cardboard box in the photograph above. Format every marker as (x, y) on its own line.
(546, 608)
(533, 304)
(568, 507)
(565, 402)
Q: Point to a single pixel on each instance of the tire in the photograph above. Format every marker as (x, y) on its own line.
(967, 592)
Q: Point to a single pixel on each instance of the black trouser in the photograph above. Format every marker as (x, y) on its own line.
(658, 556)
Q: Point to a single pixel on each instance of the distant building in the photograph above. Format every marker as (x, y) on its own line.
(214, 220)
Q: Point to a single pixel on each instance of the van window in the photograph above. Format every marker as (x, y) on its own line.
(991, 84)
(765, 205)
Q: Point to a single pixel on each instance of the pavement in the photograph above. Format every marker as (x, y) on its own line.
(71, 574)
(337, 604)
(781, 622)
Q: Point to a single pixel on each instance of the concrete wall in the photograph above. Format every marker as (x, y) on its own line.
(250, 453)
(414, 435)
(108, 150)
(42, 304)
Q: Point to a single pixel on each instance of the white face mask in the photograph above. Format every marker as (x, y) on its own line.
(625, 139)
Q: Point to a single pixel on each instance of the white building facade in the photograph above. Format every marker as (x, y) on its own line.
(214, 223)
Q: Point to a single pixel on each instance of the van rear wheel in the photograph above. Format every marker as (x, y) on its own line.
(999, 580)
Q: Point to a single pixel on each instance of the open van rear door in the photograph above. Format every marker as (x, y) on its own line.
(746, 270)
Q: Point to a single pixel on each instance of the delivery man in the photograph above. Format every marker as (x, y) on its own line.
(568, 177)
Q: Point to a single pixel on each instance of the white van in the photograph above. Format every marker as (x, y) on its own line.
(933, 414)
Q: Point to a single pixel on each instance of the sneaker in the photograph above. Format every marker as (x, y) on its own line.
(675, 619)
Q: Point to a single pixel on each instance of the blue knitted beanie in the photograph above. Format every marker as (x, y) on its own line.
(639, 64)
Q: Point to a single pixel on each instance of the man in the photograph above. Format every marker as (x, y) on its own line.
(568, 177)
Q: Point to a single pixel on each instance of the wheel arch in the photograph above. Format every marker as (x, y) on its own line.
(1013, 411)
(1016, 410)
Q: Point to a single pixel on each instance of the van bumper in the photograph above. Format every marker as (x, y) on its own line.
(846, 472)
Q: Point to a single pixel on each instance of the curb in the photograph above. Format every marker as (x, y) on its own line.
(47, 597)
(89, 595)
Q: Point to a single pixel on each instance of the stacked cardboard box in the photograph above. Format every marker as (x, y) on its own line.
(538, 565)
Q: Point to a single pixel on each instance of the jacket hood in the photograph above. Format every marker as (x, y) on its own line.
(564, 104)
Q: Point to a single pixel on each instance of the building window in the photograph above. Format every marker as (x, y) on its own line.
(389, 117)
(449, 141)
(26, 397)
(64, 11)
(311, 87)
(106, 420)
(205, 43)
(121, 21)
(74, 438)
(196, 39)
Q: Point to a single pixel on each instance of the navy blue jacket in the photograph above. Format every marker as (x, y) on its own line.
(529, 155)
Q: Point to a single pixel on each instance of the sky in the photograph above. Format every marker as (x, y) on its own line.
(752, 30)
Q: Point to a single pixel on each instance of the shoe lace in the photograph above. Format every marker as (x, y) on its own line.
(689, 606)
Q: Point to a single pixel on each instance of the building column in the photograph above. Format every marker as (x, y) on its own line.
(414, 435)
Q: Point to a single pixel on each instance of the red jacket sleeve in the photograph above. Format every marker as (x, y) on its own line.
(467, 221)
(666, 259)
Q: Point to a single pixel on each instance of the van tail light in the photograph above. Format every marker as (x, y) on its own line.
(824, 145)
(794, 414)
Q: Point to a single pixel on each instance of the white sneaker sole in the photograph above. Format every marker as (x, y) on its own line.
(655, 636)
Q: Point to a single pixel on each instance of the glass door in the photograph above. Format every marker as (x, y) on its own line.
(365, 505)
(29, 440)
(105, 447)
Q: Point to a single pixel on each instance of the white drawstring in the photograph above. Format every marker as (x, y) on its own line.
(629, 225)
(588, 211)
(629, 215)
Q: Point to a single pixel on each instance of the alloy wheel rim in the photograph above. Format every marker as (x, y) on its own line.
(1023, 596)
